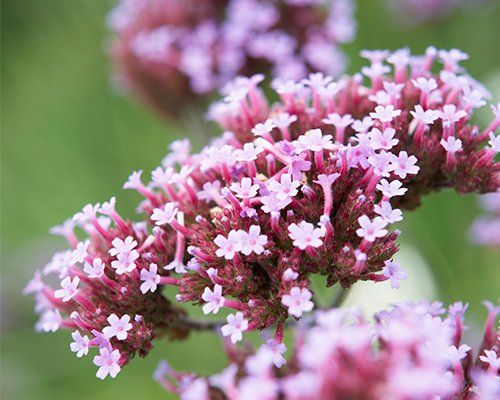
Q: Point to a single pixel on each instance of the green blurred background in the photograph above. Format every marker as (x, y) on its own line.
(68, 138)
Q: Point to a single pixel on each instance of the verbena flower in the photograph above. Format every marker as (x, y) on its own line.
(412, 351)
(485, 231)
(309, 186)
(170, 52)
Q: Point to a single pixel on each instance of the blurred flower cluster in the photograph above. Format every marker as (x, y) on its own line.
(416, 12)
(485, 231)
(307, 186)
(171, 52)
(412, 351)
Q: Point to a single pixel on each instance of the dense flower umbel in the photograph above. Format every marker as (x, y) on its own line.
(169, 51)
(308, 186)
(108, 294)
(413, 351)
(485, 231)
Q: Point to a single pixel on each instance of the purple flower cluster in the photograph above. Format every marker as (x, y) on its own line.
(307, 186)
(485, 231)
(170, 52)
(412, 351)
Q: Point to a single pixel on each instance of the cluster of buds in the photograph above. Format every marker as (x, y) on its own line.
(170, 52)
(413, 351)
(406, 108)
(485, 231)
(306, 187)
(108, 295)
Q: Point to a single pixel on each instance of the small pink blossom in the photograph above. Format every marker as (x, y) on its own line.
(385, 113)
(49, 321)
(314, 140)
(81, 251)
(385, 210)
(395, 273)
(134, 180)
(236, 325)
(249, 152)
(285, 188)
(451, 115)
(371, 229)
(391, 189)
(125, 262)
(404, 165)
(262, 129)
(298, 301)
(305, 234)
(165, 215)
(108, 362)
(455, 355)
(382, 140)
(150, 278)
(253, 241)
(426, 117)
(122, 246)
(80, 346)
(95, 270)
(451, 144)
(228, 246)
(69, 289)
(118, 327)
(492, 359)
(245, 189)
(214, 299)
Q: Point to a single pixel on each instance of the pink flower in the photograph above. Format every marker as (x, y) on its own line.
(95, 270)
(426, 117)
(451, 115)
(69, 289)
(314, 140)
(385, 113)
(236, 325)
(305, 234)
(395, 273)
(230, 245)
(298, 301)
(50, 321)
(214, 299)
(492, 359)
(385, 210)
(382, 140)
(404, 165)
(392, 189)
(285, 188)
(249, 152)
(80, 346)
(122, 246)
(81, 251)
(150, 278)
(253, 241)
(371, 230)
(165, 215)
(451, 144)
(245, 189)
(118, 327)
(125, 262)
(107, 361)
